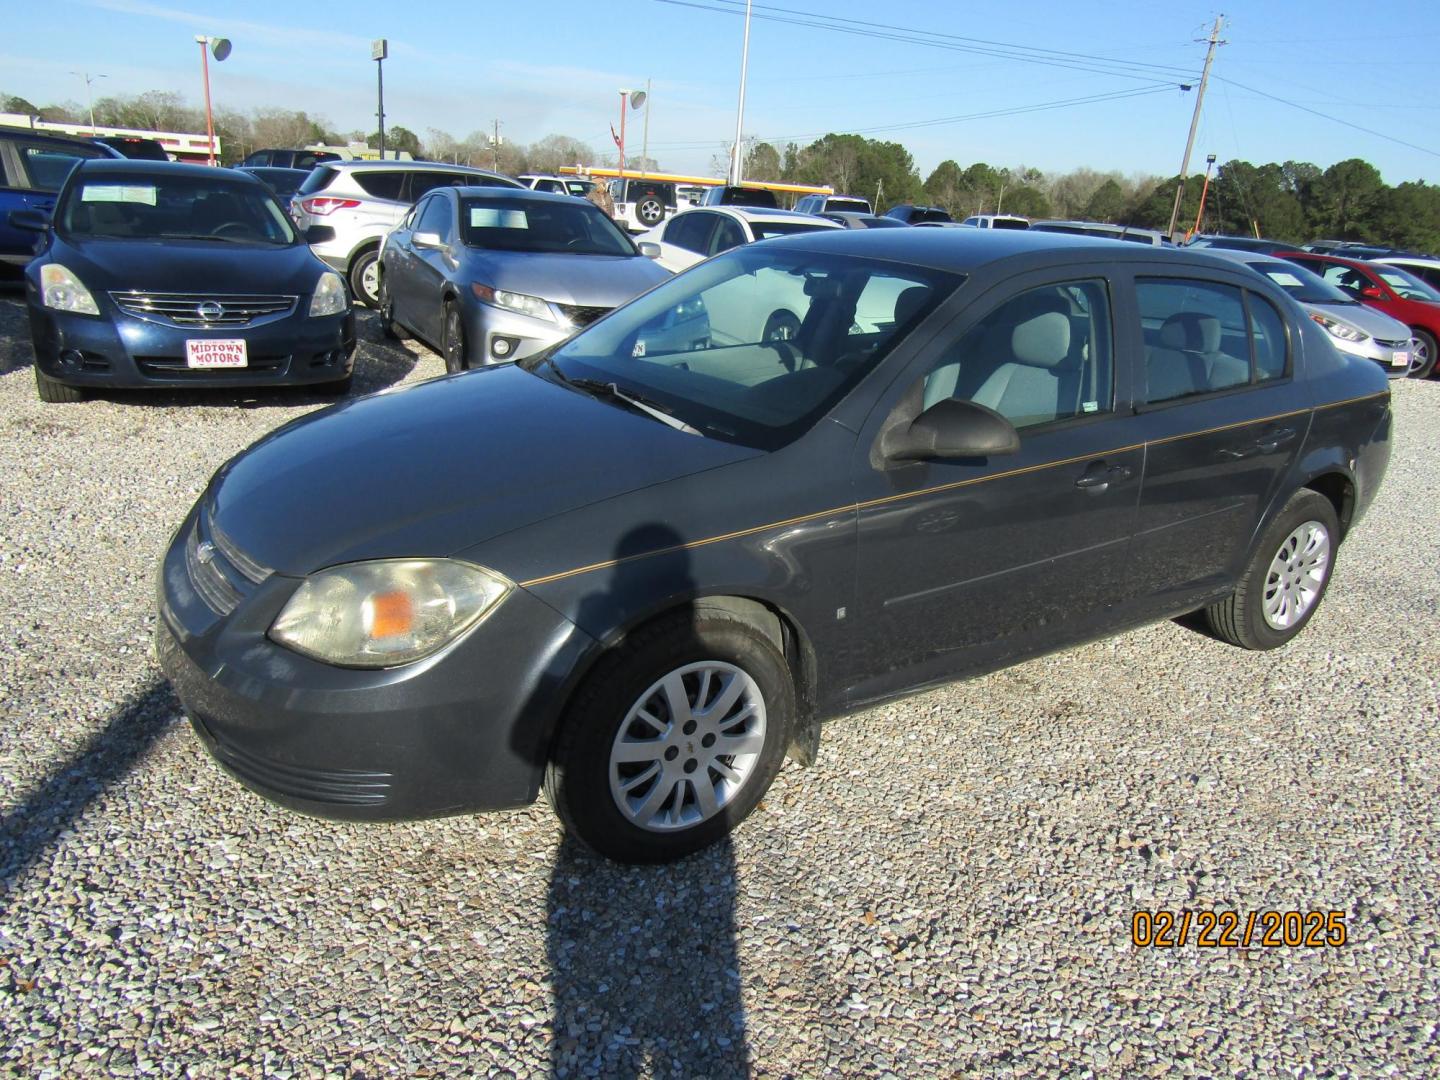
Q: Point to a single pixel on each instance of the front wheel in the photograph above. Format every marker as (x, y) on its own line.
(673, 739)
(56, 392)
(1286, 578)
(1424, 344)
(452, 343)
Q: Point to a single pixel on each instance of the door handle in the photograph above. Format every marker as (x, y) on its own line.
(1098, 476)
(1273, 440)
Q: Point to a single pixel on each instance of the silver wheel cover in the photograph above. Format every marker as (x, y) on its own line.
(370, 280)
(687, 746)
(1297, 573)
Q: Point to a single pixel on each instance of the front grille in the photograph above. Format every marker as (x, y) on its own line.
(1402, 343)
(339, 787)
(221, 310)
(582, 316)
(221, 573)
(174, 367)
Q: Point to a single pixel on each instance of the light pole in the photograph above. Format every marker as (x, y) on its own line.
(634, 99)
(221, 48)
(379, 50)
(737, 155)
(89, 100)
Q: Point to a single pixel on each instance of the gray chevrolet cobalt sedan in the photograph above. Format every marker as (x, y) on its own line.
(490, 275)
(637, 577)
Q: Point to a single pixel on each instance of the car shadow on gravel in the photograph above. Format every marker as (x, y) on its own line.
(51, 809)
(644, 965)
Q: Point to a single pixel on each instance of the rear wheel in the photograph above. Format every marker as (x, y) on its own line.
(1423, 365)
(365, 277)
(55, 391)
(452, 343)
(1286, 578)
(673, 739)
(781, 326)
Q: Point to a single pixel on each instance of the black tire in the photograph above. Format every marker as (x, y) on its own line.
(453, 345)
(1240, 618)
(55, 391)
(577, 776)
(781, 326)
(649, 212)
(389, 330)
(363, 263)
(1426, 341)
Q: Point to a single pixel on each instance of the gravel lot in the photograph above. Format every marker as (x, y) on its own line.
(948, 893)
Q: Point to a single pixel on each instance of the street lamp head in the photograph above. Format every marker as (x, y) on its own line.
(220, 48)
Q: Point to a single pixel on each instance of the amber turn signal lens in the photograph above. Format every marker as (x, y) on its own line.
(391, 614)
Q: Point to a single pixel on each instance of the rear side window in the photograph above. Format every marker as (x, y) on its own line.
(382, 183)
(727, 236)
(48, 166)
(690, 231)
(1201, 337)
(318, 180)
(1040, 357)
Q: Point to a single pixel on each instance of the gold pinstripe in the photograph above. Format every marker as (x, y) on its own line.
(953, 485)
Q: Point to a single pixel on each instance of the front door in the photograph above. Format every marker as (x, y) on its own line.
(968, 565)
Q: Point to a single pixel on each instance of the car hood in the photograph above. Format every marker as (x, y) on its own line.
(441, 466)
(190, 266)
(1375, 323)
(582, 280)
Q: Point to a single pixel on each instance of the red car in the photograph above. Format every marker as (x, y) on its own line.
(1396, 292)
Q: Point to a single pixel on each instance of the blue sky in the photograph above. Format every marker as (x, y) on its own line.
(555, 66)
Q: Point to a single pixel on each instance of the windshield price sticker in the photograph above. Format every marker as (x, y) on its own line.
(144, 194)
(216, 353)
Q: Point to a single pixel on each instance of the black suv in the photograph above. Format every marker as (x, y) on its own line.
(33, 165)
(290, 159)
(915, 215)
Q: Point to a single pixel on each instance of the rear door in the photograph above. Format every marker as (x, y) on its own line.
(33, 172)
(1222, 421)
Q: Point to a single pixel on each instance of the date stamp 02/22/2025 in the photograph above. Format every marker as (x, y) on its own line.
(1238, 930)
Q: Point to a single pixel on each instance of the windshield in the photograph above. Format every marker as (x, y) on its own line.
(755, 345)
(569, 226)
(280, 181)
(763, 230)
(149, 206)
(1303, 285)
(929, 215)
(1406, 284)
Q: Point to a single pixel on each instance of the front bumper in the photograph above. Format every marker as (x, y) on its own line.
(118, 350)
(487, 327)
(1394, 358)
(464, 730)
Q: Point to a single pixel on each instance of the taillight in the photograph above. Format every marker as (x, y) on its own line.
(321, 205)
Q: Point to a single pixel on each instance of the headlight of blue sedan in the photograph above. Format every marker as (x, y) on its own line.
(386, 613)
(330, 297)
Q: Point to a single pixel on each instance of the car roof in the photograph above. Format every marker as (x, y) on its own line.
(1316, 256)
(516, 194)
(963, 251)
(51, 136)
(134, 168)
(409, 166)
(1407, 260)
(762, 214)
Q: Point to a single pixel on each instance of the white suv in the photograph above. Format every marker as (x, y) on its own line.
(641, 204)
(364, 200)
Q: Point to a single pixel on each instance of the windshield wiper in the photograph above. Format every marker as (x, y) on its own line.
(202, 236)
(597, 388)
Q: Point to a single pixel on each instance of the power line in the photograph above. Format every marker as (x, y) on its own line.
(1327, 116)
(906, 36)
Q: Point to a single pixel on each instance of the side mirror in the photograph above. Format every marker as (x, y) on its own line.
(30, 220)
(649, 249)
(951, 428)
(1372, 292)
(319, 234)
(427, 240)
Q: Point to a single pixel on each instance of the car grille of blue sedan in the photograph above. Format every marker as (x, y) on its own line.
(205, 310)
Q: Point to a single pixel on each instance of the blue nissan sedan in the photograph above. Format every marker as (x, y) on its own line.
(164, 275)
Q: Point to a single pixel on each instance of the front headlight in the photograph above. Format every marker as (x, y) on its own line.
(1343, 331)
(386, 613)
(61, 290)
(514, 301)
(330, 297)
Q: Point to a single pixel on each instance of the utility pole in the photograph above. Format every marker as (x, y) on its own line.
(645, 141)
(737, 153)
(379, 50)
(89, 98)
(495, 149)
(1195, 123)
